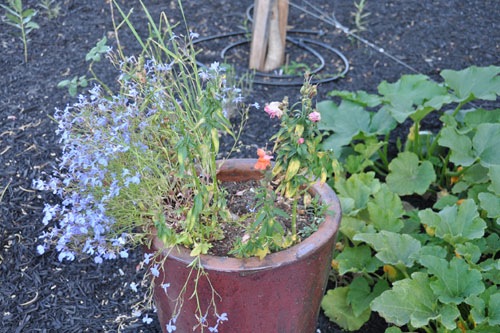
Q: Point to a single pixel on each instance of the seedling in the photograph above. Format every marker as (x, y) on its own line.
(94, 55)
(21, 19)
(51, 7)
(73, 84)
(360, 15)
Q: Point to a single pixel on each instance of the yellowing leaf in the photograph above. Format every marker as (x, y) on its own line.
(293, 168)
(262, 252)
(299, 129)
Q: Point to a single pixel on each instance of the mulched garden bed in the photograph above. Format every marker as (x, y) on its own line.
(40, 294)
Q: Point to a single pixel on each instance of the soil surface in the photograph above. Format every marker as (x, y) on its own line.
(40, 294)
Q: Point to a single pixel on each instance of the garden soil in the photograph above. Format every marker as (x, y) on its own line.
(40, 294)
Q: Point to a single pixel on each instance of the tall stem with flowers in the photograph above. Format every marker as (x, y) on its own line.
(300, 162)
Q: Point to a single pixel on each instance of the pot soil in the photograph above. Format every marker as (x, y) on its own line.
(280, 293)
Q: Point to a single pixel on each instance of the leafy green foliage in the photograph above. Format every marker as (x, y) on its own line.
(96, 52)
(408, 175)
(73, 84)
(22, 19)
(439, 262)
(94, 55)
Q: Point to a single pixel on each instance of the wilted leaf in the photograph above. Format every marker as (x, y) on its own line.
(293, 168)
(455, 280)
(392, 248)
(408, 176)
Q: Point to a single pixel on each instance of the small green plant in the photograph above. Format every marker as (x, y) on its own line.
(360, 16)
(51, 7)
(22, 19)
(420, 229)
(94, 55)
(73, 84)
(295, 68)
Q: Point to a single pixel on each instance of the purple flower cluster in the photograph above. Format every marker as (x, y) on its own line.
(100, 137)
(113, 154)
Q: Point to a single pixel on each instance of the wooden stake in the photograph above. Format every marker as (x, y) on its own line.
(258, 48)
(269, 34)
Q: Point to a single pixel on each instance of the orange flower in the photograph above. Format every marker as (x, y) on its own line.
(264, 160)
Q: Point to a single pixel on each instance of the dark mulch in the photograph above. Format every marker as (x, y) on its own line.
(40, 294)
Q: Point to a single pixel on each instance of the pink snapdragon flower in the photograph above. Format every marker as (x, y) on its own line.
(314, 116)
(273, 109)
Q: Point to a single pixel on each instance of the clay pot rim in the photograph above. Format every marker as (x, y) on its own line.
(317, 240)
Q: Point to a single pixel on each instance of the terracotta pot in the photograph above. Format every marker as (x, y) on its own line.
(279, 294)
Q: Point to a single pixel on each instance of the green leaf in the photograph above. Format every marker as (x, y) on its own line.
(455, 280)
(358, 187)
(360, 97)
(485, 307)
(455, 224)
(357, 259)
(351, 226)
(435, 250)
(408, 91)
(494, 174)
(494, 309)
(100, 48)
(32, 25)
(474, 82)
(480, 116)
(393, 329)
(385, 210)
(473, 175)
(337, 308)
(412, 301)
(460, 145)
(345, 121)
(360, 294)
(392, 248)
(485, 144)
(408, 176)
(469, 251)
(490, 268)
(490, 203)
(382, 122)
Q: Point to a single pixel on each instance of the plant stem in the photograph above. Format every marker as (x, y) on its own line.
(294, 220)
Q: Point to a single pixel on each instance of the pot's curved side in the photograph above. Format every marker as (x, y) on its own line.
(281, 293)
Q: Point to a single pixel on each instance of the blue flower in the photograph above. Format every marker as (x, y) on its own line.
(155, 271)
(147, 320)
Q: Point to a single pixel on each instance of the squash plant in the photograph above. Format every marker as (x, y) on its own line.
(419, 239)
